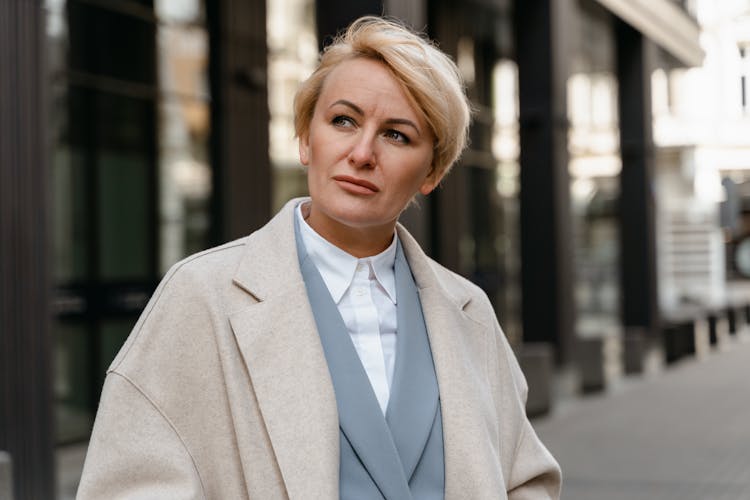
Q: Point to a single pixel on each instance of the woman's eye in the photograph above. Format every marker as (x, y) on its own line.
(342, 121)
(397, 136)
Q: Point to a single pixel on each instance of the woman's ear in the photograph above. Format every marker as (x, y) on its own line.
(431, 181)
(304, 149)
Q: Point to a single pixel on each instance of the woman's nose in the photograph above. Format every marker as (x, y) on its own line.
(362, 154)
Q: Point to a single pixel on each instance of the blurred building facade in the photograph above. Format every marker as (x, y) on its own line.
(603, 204)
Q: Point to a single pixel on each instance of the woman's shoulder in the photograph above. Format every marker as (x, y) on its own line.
(218, 262)
(189, 289)
(211, 263)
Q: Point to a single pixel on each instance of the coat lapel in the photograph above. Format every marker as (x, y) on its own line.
(460, 379)
(281, 349)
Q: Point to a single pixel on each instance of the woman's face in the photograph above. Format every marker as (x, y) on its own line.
(367, 150)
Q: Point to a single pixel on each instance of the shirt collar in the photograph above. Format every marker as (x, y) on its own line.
(337, 267)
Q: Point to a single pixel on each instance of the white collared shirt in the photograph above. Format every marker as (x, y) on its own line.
(365, 292)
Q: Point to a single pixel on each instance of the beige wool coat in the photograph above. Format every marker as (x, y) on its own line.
(222, 389)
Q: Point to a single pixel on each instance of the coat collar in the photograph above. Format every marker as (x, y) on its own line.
(288, 370)
(429, 275)
(270, 263)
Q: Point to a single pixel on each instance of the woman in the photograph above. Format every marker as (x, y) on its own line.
(325, 356)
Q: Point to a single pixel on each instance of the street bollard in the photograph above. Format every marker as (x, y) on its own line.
(537, 363)
(6, 476)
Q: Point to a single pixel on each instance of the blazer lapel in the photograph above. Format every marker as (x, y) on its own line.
(360, 417)
(413, 403)
(286, 364)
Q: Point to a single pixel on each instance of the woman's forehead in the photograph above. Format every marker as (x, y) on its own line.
(369, 84)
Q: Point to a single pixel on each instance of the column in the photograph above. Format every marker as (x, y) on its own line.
(239, 121)
(638, 273)
(446, 207)
(546, 248)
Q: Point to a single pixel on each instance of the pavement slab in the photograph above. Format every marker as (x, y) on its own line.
(682, 434)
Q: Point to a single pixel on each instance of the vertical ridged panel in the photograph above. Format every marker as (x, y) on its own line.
(25, 341)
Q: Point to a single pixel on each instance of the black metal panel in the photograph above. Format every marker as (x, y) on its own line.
(239, 117)
(637, 226)
(335, 15)
(25, 361)
(98, 43)
(448, 205)
(546, 248)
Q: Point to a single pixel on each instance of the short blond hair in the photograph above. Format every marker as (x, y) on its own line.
(429, 77)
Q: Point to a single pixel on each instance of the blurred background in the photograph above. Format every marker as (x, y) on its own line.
(603, 204)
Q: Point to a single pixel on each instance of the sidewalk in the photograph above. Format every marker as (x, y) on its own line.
(682, 434)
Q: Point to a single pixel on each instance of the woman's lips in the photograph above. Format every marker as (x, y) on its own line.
(355, 185)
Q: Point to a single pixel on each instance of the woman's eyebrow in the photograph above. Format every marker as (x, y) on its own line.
(348, 104)
(404, 121)
(393, 121)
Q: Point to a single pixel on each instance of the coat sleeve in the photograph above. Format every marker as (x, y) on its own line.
(532, 472)
(535, 474)
(134, 450)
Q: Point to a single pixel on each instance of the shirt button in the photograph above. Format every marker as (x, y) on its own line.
(359, 291)
(360, 267)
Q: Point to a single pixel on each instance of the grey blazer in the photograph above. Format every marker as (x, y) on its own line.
(222, 389)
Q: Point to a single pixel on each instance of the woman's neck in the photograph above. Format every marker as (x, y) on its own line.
(357, 241)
